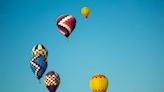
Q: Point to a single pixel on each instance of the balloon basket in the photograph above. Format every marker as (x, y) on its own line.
(67, 39)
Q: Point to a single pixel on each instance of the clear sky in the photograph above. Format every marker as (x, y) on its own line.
(121, 39)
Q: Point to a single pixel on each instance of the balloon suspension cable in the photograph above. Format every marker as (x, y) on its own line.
(67, 39)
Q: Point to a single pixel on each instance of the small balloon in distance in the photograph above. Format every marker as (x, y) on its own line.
(85, 12)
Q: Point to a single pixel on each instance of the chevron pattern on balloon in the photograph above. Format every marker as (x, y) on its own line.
(66, 24)
(38, 65)
(35, 64)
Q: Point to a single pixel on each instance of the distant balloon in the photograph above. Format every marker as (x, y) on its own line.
(38, 65)
(66, 24)
(52, 81)
(85, 11)
(39, 49)
(99, 83)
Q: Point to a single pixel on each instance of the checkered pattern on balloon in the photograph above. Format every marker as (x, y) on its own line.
(52, 80)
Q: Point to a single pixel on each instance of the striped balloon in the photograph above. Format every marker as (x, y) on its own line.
(52, 81)
(66, 24)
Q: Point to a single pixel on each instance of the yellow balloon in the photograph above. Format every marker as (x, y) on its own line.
(99, 83)
(85, 11)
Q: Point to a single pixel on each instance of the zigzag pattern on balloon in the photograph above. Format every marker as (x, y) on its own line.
(61, 29)
(66, 24)
(98, 76)
(45, 62)
(99, 90)
(35, 64)
(38, 66)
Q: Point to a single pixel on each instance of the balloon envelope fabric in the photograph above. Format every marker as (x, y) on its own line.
(66, 24)
(85, 11)
(38, 65)
(52, 81)
(39, 49)
(99, 83)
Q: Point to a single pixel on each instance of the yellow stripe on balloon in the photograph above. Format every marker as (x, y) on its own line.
(99, 83)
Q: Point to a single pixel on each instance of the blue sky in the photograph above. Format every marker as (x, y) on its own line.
(121, 39)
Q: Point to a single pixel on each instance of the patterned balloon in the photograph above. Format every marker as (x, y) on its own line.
(99, 83)
(38, 65)
(39, 49)
(66, 24)
(52, 81)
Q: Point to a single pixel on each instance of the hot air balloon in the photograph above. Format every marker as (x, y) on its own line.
(52, 81)
(39, 49)
(85, 11)
(99, 83)
(38, 65)
(66, 24)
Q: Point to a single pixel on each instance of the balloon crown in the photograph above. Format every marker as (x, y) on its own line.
(98, 76)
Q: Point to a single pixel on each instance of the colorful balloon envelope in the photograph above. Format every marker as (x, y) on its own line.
(39, 49)
(52, 81)
(38, 65)
(66, 24)
(85, 12)
(99, 83)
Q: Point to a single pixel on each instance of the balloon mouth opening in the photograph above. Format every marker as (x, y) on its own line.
(39, 77)
(85, 16)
